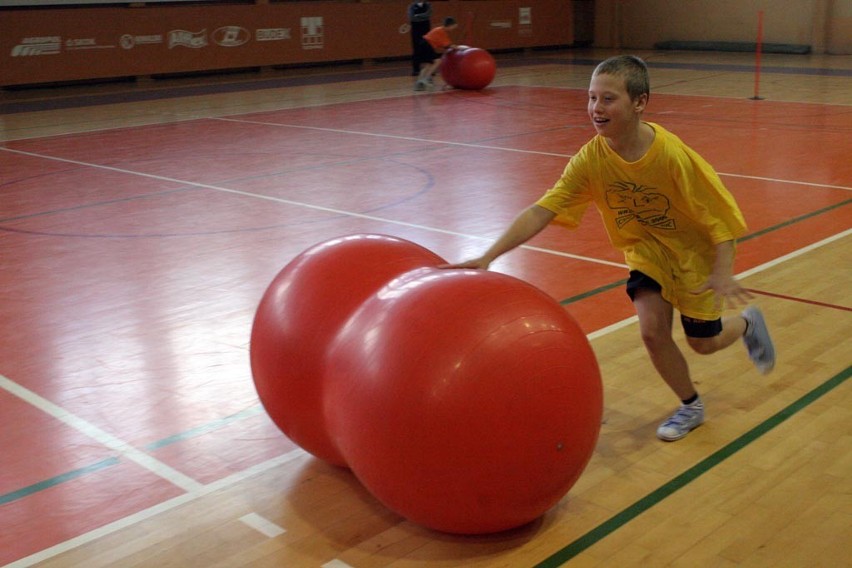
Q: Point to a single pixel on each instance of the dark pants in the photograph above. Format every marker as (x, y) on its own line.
(418, 30)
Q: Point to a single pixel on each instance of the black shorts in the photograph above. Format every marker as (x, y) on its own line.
(425, 53)
(691, 326)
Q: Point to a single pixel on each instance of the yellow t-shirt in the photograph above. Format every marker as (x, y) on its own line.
(665, 211)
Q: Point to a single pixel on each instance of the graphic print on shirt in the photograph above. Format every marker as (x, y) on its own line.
(639, 203)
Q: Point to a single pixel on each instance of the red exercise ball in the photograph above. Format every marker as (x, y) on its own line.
(300, 313)
(468, 68)
(467, 401)
(450, 61)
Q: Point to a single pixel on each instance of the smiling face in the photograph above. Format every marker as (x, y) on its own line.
(614, 114)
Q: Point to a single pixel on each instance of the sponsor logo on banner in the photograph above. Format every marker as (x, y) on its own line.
(29, 46)
(129, 41)
(85, 43)
(312, 33)
(231, 36)
(525, 21)
(502, 24)
(271, 34)
(183, 38)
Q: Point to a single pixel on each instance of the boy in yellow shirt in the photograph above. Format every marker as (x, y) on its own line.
(668, 211)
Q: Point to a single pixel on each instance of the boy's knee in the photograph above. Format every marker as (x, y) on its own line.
(655, 339)
(702, 345)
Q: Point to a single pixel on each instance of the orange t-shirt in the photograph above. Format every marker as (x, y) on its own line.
(438, 38)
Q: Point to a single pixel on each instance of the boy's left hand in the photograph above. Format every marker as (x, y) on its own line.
(726, 289)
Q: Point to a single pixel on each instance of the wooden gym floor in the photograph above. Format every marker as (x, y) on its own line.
(141, 222)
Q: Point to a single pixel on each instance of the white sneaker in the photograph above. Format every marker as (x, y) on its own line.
(757, 340)
(687, 417)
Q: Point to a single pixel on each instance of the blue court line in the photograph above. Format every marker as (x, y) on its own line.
(74, 474)
(54, 481)
(625, 516)
(203, 429)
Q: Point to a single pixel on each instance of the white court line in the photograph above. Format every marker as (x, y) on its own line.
(788, 181)
(123, 448)
(794, 254)
(336, 564)
(305, 205)
(611, 328)
(262, 525)
(150, 512)
(298, 453)
(393, 137)
(359, 215)
(501, 148)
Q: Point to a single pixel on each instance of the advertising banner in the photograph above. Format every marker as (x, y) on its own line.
(48, 45)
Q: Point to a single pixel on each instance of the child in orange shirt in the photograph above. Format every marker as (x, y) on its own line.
(432, 47)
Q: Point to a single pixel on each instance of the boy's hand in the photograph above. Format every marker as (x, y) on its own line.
(476, 263)
(726, 288)
(721, 279)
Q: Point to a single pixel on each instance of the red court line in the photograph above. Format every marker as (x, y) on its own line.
(802, 300)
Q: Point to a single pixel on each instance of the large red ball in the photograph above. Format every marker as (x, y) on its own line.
(467, 401)
(468, 68)
(300, 313)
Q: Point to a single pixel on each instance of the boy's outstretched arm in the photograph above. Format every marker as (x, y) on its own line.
(528, 224)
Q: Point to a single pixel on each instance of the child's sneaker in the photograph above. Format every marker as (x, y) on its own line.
(420, 86)
(757, 340)
(687, 417)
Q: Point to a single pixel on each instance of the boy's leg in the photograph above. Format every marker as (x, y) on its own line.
(748, 326)
(655, 324)
(733, 328)
(435, 68)
(425, 73)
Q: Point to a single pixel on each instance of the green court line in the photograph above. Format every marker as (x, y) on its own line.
(74, 474)
(793, 221)
(594, 292)
(203, 429)
(619, 520)
(54, 481)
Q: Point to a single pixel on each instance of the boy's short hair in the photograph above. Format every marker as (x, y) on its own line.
(450, 21)
(632, 69)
